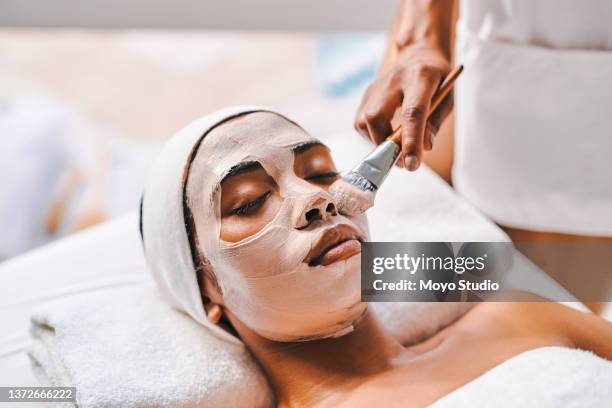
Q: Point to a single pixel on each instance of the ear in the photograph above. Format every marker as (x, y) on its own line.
(214, 313)
(209, 287)
(211, 295)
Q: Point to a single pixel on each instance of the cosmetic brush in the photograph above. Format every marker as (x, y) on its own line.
(355, 191)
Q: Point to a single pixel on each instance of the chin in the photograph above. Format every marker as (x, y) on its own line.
(342, 325)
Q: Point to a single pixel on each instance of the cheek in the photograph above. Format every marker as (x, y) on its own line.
(236, 228)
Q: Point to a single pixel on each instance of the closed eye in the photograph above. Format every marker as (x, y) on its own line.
(251, 206)
(323, 177)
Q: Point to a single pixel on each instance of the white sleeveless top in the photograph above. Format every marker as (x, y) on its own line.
(534, 113)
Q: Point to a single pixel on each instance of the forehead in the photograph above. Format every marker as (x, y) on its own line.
(262, 137)
(254, 130)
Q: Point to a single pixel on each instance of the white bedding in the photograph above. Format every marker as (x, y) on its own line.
(105, 256)
(548, 377)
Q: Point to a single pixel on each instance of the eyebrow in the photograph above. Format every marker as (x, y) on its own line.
(302, 147)
(242, 167)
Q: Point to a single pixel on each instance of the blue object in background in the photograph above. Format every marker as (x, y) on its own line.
(347, 62)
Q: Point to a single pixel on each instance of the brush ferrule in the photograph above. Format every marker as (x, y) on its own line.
(376, 166)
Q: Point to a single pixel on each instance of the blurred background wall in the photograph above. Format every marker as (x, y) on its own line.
(89, 90)
(189, 14)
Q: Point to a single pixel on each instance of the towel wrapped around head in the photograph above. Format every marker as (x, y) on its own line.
(162, 222)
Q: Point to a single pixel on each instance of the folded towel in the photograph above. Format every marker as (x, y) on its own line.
(545, 377)
(127, 348)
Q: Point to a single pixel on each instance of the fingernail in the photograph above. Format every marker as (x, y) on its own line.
(411, 163)
(432, 138)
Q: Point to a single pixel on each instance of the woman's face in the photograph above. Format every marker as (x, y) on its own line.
(286, 262)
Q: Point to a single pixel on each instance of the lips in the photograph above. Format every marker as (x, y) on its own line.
(336, 244)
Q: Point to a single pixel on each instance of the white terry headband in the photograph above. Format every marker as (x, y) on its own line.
(163, 220)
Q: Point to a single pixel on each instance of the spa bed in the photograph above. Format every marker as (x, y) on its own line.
(110, 254)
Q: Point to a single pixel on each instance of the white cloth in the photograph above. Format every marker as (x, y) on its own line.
(548, 377)
(43, 145)
(105, 256)
(125, 347)
(533, 135)
(33, 156)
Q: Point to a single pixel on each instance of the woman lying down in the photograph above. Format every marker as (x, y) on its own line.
(241, 233)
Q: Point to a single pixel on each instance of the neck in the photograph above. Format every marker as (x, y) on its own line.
(307, 374)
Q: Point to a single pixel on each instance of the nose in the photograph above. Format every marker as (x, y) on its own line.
(317, 208)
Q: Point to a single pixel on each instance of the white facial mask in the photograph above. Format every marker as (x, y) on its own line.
(263, 278)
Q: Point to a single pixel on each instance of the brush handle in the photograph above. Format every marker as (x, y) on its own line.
(438, 97)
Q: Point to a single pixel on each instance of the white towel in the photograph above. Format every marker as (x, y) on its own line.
(127, 348)
(32, 158)
(545, 377)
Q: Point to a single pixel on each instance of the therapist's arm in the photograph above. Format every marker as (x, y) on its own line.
(417, 60)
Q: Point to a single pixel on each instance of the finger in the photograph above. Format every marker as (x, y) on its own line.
(379, 115)
(362, 126)
(379, 125)
(413, 128)
(415, 108)
(436, 119)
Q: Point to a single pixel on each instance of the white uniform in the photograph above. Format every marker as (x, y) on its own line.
(534, 113)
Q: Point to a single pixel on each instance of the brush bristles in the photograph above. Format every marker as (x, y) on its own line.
(359, 181)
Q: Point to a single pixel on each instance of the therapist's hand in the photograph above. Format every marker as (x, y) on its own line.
(407, 85)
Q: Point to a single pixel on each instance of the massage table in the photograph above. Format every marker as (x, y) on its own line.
(411, 207)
